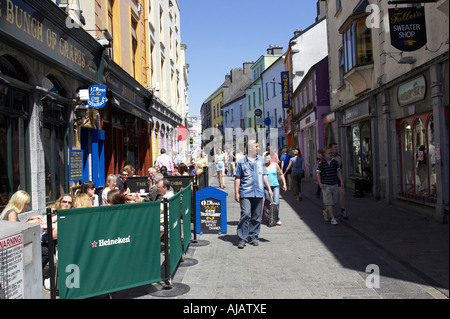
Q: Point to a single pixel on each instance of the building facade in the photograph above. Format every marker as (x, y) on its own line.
(274, 115)
(234, 108)
(254, 93)
(53, 141)
(44, 62)
(310, 103)
(391, 100)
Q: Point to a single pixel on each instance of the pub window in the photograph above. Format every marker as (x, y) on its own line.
(14, 146)
(418, 157)
(14, 134)
(54, 141)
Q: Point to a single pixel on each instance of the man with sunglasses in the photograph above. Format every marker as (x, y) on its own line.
(122, 182)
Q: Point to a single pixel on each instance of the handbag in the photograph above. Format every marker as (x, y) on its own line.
(270, 212)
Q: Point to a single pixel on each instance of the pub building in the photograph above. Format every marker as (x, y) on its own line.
(43, 65)
(51, 140)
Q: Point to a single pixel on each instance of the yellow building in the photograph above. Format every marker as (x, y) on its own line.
(216, 108)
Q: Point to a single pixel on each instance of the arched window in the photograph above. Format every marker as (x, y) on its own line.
(418, 157)
(14, 136)
(55, 119)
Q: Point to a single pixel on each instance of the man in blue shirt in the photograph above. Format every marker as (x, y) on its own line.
(250, 178)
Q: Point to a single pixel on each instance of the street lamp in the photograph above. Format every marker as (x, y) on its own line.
(105, 33)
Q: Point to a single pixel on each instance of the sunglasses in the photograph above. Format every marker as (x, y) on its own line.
(66, 202)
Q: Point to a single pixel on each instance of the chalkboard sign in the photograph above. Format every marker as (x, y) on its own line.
(210, 216)
(75, 165)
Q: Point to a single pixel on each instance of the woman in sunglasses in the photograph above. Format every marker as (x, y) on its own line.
(64, 202)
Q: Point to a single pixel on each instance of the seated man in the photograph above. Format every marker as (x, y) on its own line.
(363, 184)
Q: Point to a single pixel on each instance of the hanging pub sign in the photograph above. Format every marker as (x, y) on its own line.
(97, 96)
(407, 28)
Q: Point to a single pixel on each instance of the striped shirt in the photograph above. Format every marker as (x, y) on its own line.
(328, 171)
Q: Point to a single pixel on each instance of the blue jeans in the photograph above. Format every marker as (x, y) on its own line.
(250, 222)
(276, 198)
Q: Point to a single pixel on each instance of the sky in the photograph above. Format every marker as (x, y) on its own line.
(222, 35)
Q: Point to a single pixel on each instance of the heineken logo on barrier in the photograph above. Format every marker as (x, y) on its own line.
(111, 242)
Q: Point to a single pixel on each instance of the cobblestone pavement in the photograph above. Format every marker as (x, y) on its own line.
(308, 258)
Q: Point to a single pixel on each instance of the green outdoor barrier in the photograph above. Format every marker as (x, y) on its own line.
(107, 249)
(175, 231)
(186, 212)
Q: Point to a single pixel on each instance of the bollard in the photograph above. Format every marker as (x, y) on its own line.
(168, 289)
(195, 242)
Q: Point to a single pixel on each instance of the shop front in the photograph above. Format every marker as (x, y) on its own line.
(43, 65)
(357, 152)
(127, 122)
(311, 137)
(421, 135)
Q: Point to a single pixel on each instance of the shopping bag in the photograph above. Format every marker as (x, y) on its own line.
(270, 212)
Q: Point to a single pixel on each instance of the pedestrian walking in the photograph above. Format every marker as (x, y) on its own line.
(328, 175)
(176, 159)
(298, 172)
(250, 178)
(339, 160)
(165, 160)
(273, 170)
(285, 159)
(220, 161)
(318, 161)
(231, 162)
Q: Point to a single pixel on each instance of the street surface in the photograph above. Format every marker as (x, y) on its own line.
(308, 258)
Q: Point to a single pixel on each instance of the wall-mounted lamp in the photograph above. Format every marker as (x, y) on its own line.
(48, 102)
(80, 113)
(407, 60)
(3, 87)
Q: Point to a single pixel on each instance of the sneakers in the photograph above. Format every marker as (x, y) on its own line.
(325, 215)
(344, 214)
(241, 245)
(327, 218)
(279, 223)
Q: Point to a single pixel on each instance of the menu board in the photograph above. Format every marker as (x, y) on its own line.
(75, 165)
(11, 267)
(210, 216)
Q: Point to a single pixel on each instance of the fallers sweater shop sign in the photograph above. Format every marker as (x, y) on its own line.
(407, 28)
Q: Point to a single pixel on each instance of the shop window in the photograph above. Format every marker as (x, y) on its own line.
(418, 157)
(359, 138)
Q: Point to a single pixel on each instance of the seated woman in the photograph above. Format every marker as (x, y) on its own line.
(18, 203)
(116, 197)
(82, 200)
(183, 170)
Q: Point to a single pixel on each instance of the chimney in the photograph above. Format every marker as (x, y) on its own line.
(298, 32)
(247, 67)
(270, 50)
(277, 50)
